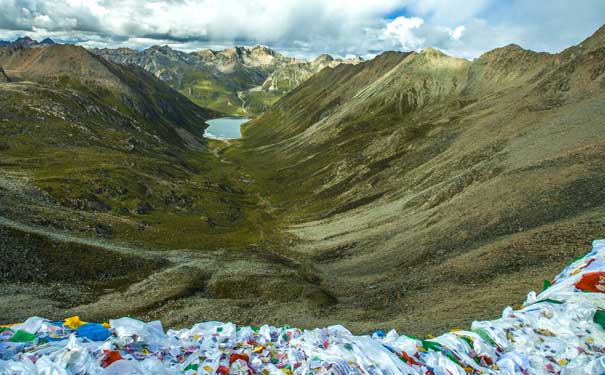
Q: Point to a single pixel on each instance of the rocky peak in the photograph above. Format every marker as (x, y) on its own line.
(596, 40)
(126, 51)
(160, 49)
(432, 52)
(505, 67)
(235, 52)
(353, 60)
(433, 58)
(165, 51)
(502, 52)
(507, 58)
(27, 42)
(59, 60)
(47, 41)
(205, 53)
(323, 61)
(24, 42)
(262, 50)
(324, 58)
(24, 39)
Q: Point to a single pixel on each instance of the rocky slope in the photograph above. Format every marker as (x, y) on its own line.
(151, 105)
(292, 75)
(420, 185)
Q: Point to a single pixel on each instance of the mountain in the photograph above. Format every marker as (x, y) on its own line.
(77, 125)
(239, 80)
(289, 77)
(418, 184)
(159, 110)
(47, 41)
(209, 78)
(232, 59)
(26, 42)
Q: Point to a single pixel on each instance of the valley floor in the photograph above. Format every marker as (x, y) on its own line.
(224, 264)
(264, 268)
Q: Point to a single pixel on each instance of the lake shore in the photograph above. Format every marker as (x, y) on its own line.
(225, 128)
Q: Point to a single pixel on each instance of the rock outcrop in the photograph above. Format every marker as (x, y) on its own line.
(3, 76)
(289, 77)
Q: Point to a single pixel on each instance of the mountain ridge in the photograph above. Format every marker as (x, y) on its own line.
(226, 80)
(424, 161)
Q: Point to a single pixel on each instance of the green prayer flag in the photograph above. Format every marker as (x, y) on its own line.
(599, 318)
(22, 336)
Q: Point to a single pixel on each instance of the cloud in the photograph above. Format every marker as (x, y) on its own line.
(402, 29)
(457, 32)
(307, 27)
(449, 13)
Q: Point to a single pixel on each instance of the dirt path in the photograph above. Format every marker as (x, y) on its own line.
(172, 256)
(239, 95)
(216, 151)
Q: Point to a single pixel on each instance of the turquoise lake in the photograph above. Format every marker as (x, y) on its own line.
(225, 128)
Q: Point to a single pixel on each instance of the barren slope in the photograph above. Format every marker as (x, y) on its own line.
(426, 189)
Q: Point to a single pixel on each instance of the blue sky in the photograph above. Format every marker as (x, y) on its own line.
(399, 12)
(306, 28)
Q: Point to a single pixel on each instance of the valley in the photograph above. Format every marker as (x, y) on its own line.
(370, 194)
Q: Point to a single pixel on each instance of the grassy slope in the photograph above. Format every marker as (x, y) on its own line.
(221, 93)
(179, 197)
(112, 163)
(209, 91)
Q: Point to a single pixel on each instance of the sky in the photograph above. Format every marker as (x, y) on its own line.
(307, 28)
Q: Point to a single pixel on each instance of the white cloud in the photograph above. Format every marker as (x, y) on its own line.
(457, 32)
(402, 29)
(449, 12)
(307, 27)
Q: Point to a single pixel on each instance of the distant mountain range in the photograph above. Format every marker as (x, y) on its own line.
(238, 80)
(235, 81)
(26, 42)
